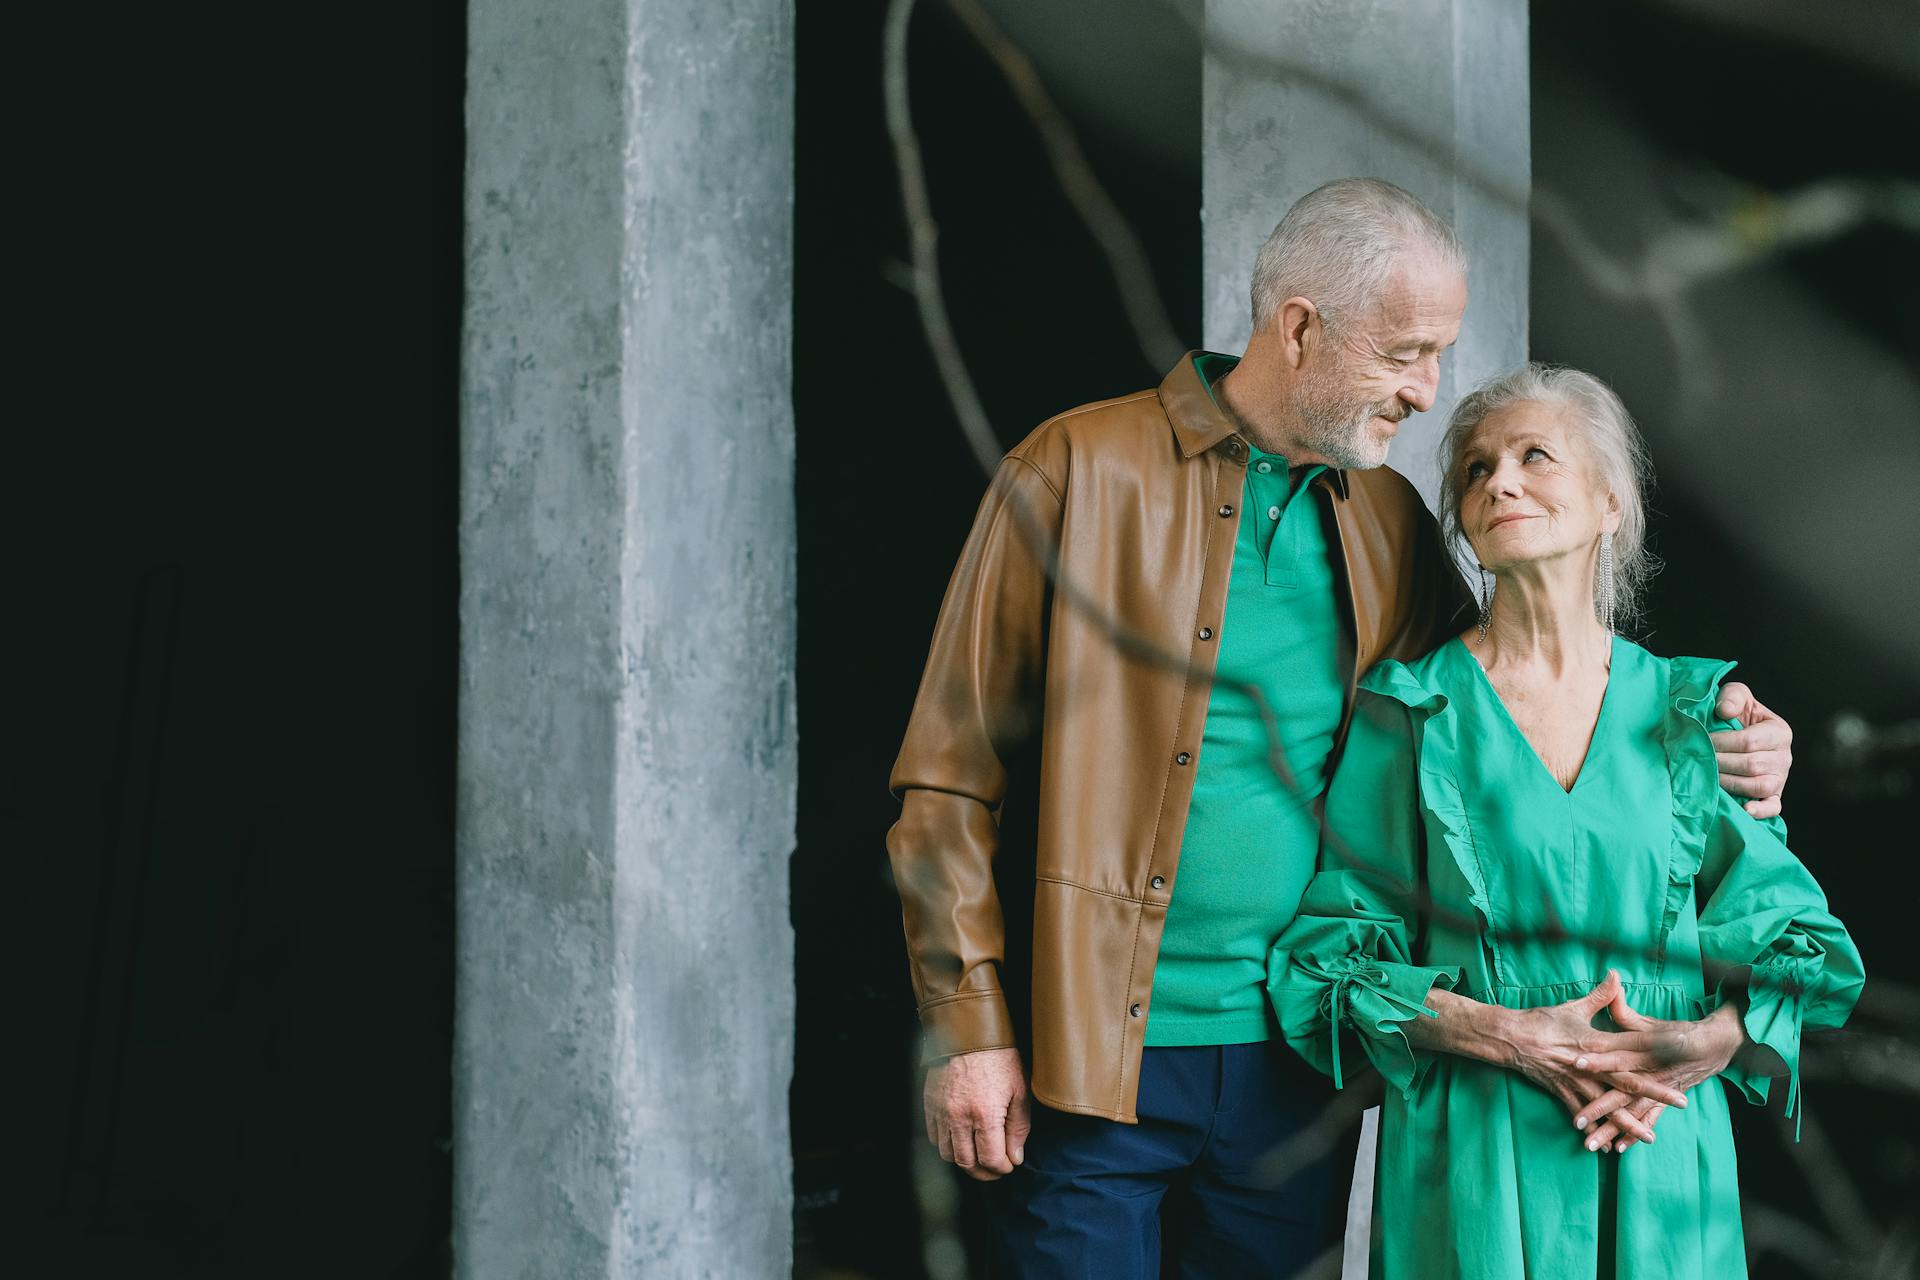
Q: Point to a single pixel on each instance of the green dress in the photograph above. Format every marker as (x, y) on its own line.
(1453, 857)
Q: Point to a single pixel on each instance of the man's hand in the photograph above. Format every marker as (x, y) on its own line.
(1679, 1054)
(977, 1112)
(1755, 760)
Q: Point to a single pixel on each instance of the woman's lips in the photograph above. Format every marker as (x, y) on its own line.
(1495, 524)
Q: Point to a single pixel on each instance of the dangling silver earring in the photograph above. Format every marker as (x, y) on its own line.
(1486, 602)
(1603, 586)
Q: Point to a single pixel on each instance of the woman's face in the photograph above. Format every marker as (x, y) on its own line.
(1532, 493)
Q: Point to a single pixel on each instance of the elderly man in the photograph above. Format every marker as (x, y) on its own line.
(1173, 593)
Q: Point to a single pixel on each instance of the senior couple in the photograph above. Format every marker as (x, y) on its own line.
(1304, 807)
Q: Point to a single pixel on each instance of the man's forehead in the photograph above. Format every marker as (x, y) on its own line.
(1431, 297)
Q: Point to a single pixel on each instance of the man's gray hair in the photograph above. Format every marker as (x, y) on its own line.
(1606, 432)
(1338, 247)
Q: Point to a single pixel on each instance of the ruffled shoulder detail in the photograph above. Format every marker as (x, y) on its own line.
(1412, 684)
(1420, 687)
(1693, 776)
(1693, 687)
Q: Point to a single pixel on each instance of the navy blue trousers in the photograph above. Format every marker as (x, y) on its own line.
(1203, 1186)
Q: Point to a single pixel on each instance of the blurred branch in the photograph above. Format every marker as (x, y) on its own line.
(925, 234)
(1752, 226)
(1770, 1231)
(1126, 257)
(1832, 1189)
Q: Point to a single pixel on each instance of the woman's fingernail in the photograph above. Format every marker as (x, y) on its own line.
(1579, 1062)
(1593, 1146)
(1579, 1122)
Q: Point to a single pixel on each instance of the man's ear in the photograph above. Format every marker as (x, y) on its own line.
(1298, 326)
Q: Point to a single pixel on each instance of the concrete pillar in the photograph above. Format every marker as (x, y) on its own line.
(1429, 94)
(624, 1033)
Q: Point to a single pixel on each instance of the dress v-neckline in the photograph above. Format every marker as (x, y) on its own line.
(1593, 736)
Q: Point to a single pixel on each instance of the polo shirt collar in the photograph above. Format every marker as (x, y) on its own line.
(1199, 424)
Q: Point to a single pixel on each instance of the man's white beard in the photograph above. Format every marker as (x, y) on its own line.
(1336, 429)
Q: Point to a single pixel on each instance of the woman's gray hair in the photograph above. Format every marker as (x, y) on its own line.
(1339, 244)
(1612, 442)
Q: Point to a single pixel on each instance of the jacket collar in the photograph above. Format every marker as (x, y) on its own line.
(1199, 424)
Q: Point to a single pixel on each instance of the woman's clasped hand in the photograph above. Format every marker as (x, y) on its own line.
(1615, 1084)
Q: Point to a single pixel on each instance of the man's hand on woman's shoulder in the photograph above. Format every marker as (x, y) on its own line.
(1755, 759)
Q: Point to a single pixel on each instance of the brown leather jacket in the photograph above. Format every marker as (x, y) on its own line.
(1109, 663)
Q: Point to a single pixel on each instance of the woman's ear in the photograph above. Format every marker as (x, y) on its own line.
(1610, 514)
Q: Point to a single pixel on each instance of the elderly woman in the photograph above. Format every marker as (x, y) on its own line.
(1526, 834)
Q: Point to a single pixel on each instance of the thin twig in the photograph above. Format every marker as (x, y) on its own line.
(1126, 257)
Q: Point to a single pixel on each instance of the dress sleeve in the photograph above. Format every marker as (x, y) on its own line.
(1778, 952)
(1344, 968)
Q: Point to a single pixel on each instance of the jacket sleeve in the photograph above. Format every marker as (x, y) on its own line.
(1451, 605)
(1779, 952)
(1343, 970)
(978, 698)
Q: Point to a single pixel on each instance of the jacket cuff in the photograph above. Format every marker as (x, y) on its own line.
(965, 1024)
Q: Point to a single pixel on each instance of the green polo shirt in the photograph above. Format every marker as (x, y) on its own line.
(1251, 838)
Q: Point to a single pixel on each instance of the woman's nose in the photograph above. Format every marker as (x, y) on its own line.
(1504, 481)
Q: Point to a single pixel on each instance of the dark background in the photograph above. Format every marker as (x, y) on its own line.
(233, 630)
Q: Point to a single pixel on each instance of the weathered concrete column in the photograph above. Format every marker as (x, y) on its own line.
(1429, 94)
(624, 1035)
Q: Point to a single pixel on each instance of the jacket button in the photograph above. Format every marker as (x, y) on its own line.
(1206, 633)
(1226, 509)
(1182, 758)
(1159, 882)
(1134, 1010)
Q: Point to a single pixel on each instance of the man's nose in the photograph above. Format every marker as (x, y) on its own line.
(1423, 383)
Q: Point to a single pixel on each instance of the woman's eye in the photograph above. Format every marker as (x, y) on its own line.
(1475, 470)
(1533, 452)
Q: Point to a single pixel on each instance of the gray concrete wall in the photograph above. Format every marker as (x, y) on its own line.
(624, 1033)
(1430, 94)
